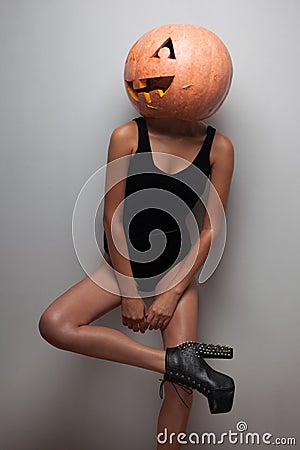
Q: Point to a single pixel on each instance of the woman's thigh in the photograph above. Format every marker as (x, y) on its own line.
(184, 324)
(86, 301)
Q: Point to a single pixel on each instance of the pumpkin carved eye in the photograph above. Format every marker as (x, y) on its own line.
(168, 45)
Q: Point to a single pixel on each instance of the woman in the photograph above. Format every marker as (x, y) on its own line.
(66, 323)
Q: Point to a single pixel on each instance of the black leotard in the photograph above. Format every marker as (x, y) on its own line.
(163, 210)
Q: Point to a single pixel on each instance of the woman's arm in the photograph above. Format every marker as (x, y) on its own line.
(222, 166)
(122, 142)
(164, 304)
(120, 148)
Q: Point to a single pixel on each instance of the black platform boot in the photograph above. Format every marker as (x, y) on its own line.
(186, 367)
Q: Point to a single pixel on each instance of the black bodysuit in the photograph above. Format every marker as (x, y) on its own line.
(157, 202)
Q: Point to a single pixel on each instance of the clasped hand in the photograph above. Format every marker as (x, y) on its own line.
(137, 317)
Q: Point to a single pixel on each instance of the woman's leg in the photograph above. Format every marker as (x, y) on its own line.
(66, 325)
(183, 327)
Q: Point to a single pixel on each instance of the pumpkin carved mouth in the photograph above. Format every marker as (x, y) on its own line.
(148, 85)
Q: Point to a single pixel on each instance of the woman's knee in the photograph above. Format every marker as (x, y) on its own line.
(55, 328)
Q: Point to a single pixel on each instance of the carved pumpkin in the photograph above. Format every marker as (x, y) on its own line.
(181, 71)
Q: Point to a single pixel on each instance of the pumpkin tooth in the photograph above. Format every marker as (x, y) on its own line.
(142, 83)
(160, 92)
(132, 91)
(147, 97)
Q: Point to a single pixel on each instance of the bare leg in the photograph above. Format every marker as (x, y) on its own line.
(66, 325)
(182, 327)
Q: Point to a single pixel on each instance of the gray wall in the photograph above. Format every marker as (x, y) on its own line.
(61, 96)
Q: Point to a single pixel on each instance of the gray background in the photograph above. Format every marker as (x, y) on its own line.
(61, 96)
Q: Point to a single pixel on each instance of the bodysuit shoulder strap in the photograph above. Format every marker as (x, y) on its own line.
(209, 138)
(202, 160)
(143, 138)
(206, 147)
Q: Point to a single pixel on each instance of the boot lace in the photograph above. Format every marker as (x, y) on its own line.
(185, 388)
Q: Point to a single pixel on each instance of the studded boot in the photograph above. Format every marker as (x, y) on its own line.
(217, 351)
(186, 367)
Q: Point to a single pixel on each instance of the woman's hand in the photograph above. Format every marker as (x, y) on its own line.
(134, 311)
(162, 309)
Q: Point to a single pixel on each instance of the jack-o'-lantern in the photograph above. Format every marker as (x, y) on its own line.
(180, 71)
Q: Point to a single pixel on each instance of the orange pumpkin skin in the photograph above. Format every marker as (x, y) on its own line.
(179, 71)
